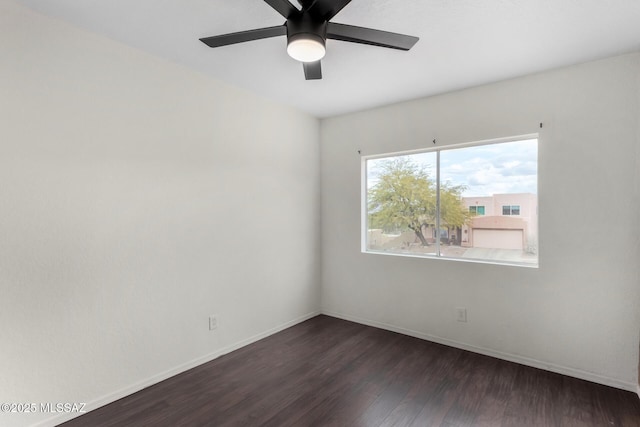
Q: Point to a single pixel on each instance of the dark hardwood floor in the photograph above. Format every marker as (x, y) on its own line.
(329, 372)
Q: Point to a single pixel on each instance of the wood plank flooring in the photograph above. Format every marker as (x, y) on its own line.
(330, 372)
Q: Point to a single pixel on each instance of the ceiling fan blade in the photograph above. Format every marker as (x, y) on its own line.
(244, 36)
(350, 33)
(326, 9)
(283, 7)
(312, 70)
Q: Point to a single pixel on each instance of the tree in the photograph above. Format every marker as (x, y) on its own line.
(405, 197)
(453, 213)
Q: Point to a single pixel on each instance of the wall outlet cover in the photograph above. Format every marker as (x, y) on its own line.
(213, 322)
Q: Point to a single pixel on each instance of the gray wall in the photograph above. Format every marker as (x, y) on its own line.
(578, 312)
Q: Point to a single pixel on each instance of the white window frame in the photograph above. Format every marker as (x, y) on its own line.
(437, 150)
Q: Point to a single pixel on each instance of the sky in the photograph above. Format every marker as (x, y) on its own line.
(485, 170)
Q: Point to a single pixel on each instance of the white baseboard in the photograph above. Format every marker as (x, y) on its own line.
(119, 394)
(572, 372)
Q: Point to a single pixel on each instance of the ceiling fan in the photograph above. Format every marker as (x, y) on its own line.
(308, 29)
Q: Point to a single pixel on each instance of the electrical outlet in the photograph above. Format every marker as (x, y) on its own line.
(213, 322)
(461, 314)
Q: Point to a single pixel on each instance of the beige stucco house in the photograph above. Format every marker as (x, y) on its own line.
(502, 221)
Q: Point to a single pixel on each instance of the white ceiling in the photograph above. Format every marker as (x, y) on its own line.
(462, 43)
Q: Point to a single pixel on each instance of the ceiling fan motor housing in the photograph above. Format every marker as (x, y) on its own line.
(304, 26)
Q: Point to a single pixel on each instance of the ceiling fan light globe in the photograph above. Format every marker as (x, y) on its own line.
(305, 49)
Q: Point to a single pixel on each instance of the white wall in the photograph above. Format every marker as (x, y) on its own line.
(637, 202)
(579, 312)
(135, 200)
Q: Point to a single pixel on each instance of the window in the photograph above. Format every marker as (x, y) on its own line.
(476, 210)
(511, 210)
(453, 202)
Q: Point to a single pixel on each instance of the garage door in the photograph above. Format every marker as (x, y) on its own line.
(497, 239)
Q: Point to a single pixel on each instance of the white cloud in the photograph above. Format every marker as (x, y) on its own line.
(485, 170)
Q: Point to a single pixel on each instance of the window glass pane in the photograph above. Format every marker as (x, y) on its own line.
(401, 204)
(486, 208)
(502, 179)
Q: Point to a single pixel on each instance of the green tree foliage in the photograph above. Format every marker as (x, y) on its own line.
(453, 213)
(405, 197)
